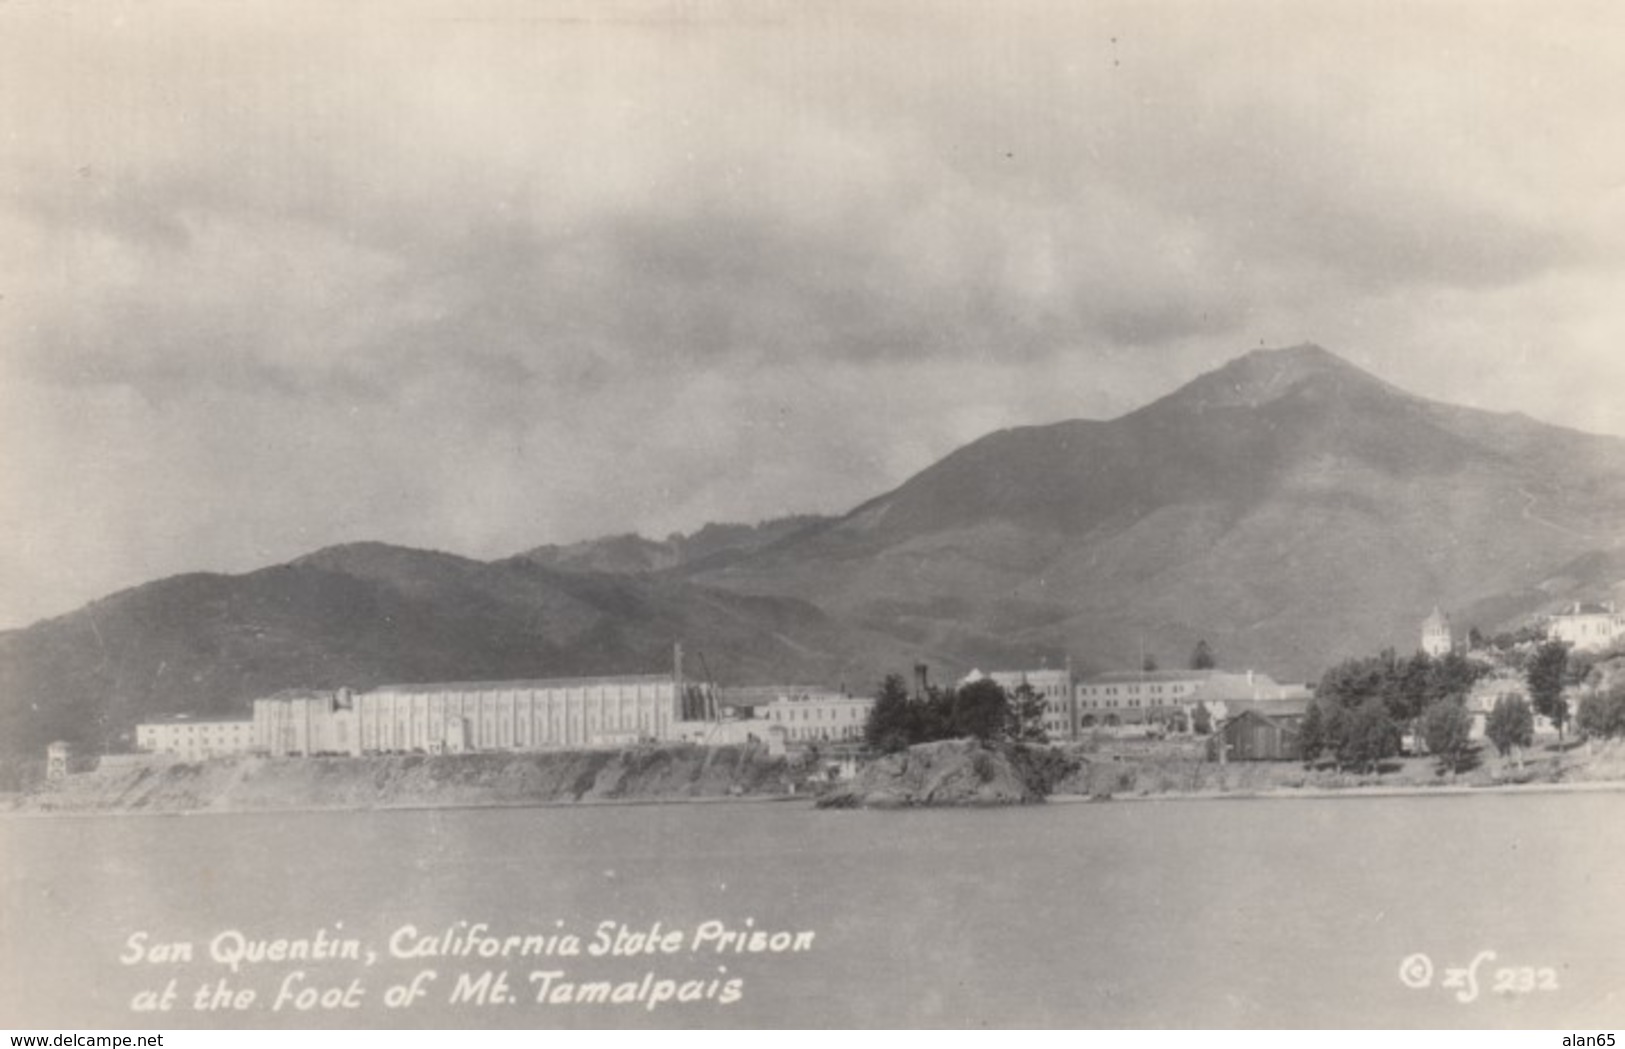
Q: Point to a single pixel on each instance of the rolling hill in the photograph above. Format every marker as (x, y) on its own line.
(711, 547)
(368, 614)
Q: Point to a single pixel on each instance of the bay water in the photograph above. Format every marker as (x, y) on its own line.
(1500, 910)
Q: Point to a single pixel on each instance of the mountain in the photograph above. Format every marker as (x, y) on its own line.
(1288, 507)
(368, 614)
(711, 547)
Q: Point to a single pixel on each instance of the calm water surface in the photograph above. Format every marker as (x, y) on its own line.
(1168, 914)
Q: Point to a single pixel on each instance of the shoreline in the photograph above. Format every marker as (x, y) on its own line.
(1317, 793)
(1284, 794)
(418, 806)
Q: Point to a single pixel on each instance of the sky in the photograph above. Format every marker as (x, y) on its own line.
(479, 276)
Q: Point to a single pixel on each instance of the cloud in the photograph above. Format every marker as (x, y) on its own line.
(481, 278)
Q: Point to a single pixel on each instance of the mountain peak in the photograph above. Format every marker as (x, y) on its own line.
(1261, 376)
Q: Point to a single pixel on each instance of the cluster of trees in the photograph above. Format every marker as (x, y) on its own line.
(1362, 707)
(1506, 642)
(980, 710)
(1511, 726)
(1550, 670)
(1602, 715)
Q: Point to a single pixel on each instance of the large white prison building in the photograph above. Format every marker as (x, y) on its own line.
(441, 718)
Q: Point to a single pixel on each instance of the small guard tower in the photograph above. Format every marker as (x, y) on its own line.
(56, 759)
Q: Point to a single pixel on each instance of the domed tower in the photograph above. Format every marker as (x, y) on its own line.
(1436, 634)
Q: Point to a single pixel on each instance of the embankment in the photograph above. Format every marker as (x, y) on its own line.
(964, 773)
(243, 784)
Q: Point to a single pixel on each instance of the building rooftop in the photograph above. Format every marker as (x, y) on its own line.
(1274, 708)
(821, 696)
(515, 686)
(192, 719)
(301, 693)
(1036, 674)
(1120, 677)
(763, 693)
(1588, 608)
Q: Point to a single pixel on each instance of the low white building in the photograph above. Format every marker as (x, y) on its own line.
(1587, 627)
(192, 739)
(809, 715)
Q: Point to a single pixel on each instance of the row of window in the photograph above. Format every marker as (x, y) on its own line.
(1114, 690)
(832, 734)
(852, 713)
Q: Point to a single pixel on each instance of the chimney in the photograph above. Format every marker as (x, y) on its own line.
(920, 680)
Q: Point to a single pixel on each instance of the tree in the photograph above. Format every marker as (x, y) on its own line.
(1353, 681)
(1312, 733)
(1149, 664)
(981, 710)
(934, 716)
(1024, 719)
(1369, 736)
(1511, 724)
(892, 722)
(1327, 728)
(1448, 729)
(1202, 658)
(1202, 720)
(1453, 676)
(1475, 639)
(1545, 675)
(1602, 714)
(1578, 670)
(1406, 686)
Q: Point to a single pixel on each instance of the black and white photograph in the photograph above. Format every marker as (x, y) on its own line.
(750, 514)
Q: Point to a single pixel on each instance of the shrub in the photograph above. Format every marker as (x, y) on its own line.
(1602, 714)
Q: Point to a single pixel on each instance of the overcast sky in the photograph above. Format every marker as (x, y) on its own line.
(479, 276)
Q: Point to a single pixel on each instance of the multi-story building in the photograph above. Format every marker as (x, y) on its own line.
(1054, 687)
(453, 717)
(190, 739)
(1133, 697)
(487, 715)
(1587, 627)
(812, 715)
